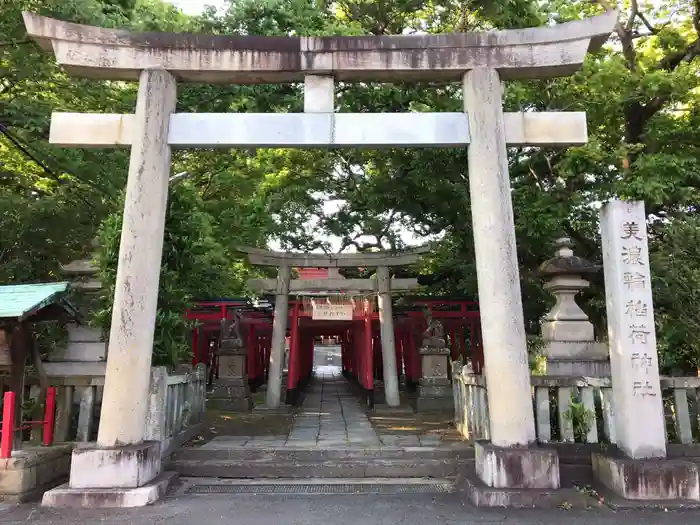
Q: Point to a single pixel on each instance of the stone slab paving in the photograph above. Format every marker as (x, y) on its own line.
(332, 417)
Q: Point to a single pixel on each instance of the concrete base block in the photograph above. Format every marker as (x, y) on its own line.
(473, 490)
(516, 468)
(67, 497)
(435, 404)
(231, 394)
(131, 466)
(647, 479)
(434, 395)
(29, 472)
(578, 367)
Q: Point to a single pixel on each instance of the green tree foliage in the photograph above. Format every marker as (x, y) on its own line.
(194, 266)
(640, 93)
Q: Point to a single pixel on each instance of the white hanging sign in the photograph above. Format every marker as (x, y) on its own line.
(331, 312)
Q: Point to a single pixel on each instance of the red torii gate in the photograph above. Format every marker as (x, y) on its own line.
(359, 339)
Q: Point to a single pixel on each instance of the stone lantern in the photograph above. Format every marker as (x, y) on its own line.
(86, 351)
(570, 345)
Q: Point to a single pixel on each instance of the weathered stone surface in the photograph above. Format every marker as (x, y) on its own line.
(579, 367)
(128, 374)
(29, 472)
(386, 326)
(319, 94)
(120, 55)
(130, 466)
(639, 414)
(517, 468)
(570, 345)
(273, 396)
(75, 368)
(584, 350)
(511, 415)
(648, 479)
(306, 130)
(436, 403)
(341, 260)
(67, 497)
(473, 490)
(434, 365)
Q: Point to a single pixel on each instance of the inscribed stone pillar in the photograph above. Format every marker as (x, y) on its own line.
(502, 325)
(279, 333)
(126, 390)
(386, 327)
(639, 421)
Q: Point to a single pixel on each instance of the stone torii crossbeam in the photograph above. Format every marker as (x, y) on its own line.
(119, 55)
(122, 461)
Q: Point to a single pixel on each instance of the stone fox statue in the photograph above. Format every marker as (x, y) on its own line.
(231, 328)
(434, 334)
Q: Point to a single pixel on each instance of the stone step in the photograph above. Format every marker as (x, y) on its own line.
(317, 486)
(320, 454)
(366, 468)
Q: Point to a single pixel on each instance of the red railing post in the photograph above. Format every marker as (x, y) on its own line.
(49, 416)
(8, 425)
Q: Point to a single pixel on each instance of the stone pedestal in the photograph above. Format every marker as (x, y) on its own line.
(231, 391)
(513, 477)
(577, 358)
(651, 479)
(569, 336)
(31, 471)
(435, 388)
(125, 476)
(516, 468)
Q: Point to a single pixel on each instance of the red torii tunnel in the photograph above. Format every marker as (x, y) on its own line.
(359, 339)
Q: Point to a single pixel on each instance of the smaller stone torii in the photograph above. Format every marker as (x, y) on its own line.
(382, 285)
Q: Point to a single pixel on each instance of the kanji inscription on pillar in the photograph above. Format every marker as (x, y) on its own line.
(631, 332)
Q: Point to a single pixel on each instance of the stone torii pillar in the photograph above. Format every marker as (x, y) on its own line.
(273, 397)
(508, 459)
(386, 327)
(122, 461)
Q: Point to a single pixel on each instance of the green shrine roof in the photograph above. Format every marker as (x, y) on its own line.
(21, 301)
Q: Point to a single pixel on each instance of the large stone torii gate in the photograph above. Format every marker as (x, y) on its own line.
(383, 286)
(480, 61)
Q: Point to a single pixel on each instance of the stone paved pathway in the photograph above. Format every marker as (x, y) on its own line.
(331, 416)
